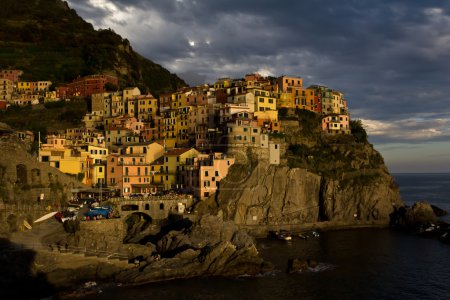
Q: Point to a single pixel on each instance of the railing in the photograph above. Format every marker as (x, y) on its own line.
(151, 198)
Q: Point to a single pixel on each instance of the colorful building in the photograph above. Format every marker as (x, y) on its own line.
(86, 86)
(336, 124)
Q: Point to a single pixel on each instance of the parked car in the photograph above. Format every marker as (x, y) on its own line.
(99, 212)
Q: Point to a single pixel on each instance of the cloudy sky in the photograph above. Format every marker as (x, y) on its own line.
(391, 58)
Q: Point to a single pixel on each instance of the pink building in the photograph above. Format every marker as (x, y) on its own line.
(12, 75)
(336, 124)
(197, 97)
(204, 173)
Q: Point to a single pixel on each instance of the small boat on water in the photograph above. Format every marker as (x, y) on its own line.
(284, 235)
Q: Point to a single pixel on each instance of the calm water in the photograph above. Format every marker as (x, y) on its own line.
(434, 188)
(354, 264)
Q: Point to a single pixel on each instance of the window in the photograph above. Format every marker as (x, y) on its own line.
(206, 174)
(261, 100)
(112, 170)
(161, 206)
(100, 170)
(216, 173)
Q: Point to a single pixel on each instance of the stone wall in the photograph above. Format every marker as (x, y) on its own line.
(23, 178)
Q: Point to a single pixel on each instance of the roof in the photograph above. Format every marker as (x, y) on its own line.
(177, 152)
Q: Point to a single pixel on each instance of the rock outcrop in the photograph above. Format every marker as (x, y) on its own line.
(211, 247)
(332, 179)
(279, 195)
(420, 214)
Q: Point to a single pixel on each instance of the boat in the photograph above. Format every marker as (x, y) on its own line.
(284, 235)
(45, 217)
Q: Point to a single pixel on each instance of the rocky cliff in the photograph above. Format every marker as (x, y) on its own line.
(321, 181)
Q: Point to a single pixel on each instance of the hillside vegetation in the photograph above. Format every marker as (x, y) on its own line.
(48, 40)
(328, 155)
(47, 117)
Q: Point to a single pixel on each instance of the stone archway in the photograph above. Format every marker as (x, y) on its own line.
(22, 175)
(129, 207)
(136, 223)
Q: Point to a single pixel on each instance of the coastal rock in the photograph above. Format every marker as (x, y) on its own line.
(300, 265)
(421, 213)
(361, 196)
(270, 195)
(211, 247)
(439, 212)
(278, 195)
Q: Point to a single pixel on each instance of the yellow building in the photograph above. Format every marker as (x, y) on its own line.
(42, 86)
(264, 101)
(6, 89)
(183, 126)
(130, 93)
(147, 107)
(170, 127)
(50, 97)
(179, 99)
(286, 82)
(175, 161)
(305, 100)
(150, 151)
(285, 100)
(222, 83)
(24, 86)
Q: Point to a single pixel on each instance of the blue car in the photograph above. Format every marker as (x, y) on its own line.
(99, 212)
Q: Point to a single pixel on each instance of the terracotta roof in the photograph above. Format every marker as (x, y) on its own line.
(177, 152)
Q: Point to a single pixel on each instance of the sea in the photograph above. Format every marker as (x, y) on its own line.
(353, 264)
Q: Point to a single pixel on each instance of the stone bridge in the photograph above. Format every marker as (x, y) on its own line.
(156, 207)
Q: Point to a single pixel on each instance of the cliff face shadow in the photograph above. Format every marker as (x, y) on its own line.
(18, 279)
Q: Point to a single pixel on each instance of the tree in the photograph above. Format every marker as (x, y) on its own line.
(358, 131)
(111, 87)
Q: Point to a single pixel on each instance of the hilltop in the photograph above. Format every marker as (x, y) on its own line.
(322, 181)
(49, 41)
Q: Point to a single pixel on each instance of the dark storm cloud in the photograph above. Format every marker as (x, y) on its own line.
(389, 57)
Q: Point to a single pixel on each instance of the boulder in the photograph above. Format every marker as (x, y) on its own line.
(300, 265)
(420, 213)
